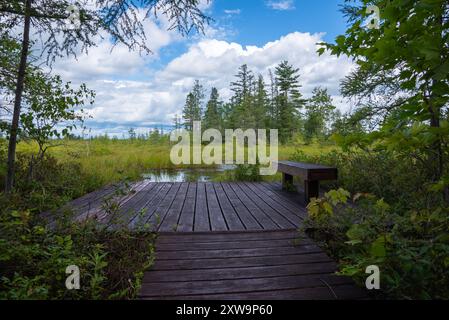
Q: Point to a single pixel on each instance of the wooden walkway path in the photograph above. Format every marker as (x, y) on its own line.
(196, 207)
(223, 241)
(263, 265)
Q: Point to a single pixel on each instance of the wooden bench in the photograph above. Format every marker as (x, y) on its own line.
(311, 174)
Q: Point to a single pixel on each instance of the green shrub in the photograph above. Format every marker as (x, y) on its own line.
(411, 247)
(396, 179)
(246, 172)
(34, 256)
(33, 259)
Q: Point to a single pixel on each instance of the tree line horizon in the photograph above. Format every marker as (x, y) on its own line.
(256, 104)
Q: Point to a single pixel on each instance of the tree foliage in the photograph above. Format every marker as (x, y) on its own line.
(405, 63)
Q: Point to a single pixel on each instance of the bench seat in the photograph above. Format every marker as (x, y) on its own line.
(310, 173)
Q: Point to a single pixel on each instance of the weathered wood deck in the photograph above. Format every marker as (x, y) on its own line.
(261, 265)
(223, 241)
(198, 207)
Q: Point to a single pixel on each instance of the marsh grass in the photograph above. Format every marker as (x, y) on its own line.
(109, 161)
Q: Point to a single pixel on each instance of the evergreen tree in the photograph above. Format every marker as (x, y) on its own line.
(319, 111)
(261, 104)
(193, 109)
(243, 114)
(177, 122)
(212, 116)
(273, 113)
(289, 100)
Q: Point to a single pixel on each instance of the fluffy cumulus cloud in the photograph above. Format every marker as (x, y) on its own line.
(124, 103)
(215, 63)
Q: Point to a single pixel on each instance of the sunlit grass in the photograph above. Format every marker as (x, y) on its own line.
(113, 160)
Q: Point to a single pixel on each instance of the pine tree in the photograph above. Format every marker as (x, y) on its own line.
(273, 113)
(193, 109)
(261, 104)
(177, 122)
(188, 113)
(289, 100)
(319, 111)
(242, 113)
(212, 116)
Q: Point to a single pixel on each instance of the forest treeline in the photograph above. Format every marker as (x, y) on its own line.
(260, 104)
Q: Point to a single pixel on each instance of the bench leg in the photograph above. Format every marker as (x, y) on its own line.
(311, 190)
(287, 180)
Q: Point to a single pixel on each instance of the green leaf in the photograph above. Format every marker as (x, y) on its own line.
(378, 248)
(356, 232)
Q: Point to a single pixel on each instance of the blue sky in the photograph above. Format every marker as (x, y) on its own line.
(259, 21)
(256, 22)
(143, 91)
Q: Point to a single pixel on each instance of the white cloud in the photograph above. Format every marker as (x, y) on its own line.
(281, 5)
(104, 61)
(122, 103)
(232, 11)
(215, 62)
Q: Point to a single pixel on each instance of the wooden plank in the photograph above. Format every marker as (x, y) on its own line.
(236, 253)
(141, 218)
(227, 236)
(150, 207)
(243, 265)
(293, 218)
(258, 214)
(295, 198)
(286, 202)
(308, 171)
(201, 222)
(128, 208)
(239, 262)
(338, 292)
(241, 285)
(248, 220)
(138, 200)
(239, 273)
(170, 223)
(163, 207)
(231, 217)
(180, 246)
(95, 205)
(280, 221)
(186, 219)
(217, 221)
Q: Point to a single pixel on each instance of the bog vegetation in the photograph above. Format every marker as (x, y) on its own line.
(390, 206)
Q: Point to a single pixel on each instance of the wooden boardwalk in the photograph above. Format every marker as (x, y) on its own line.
(223, 241)
(197, 207)
(262, 265)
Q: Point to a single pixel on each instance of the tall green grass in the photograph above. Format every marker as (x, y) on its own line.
(109, 161)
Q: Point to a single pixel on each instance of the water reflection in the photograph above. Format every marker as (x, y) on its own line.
(187, 175)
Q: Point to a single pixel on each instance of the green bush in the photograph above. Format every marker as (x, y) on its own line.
(246, 172)
(35, 254)
(398, 180)
(411, 248)
(45, 184)
(33, 259)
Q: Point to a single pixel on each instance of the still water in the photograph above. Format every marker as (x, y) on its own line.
(187, 175)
